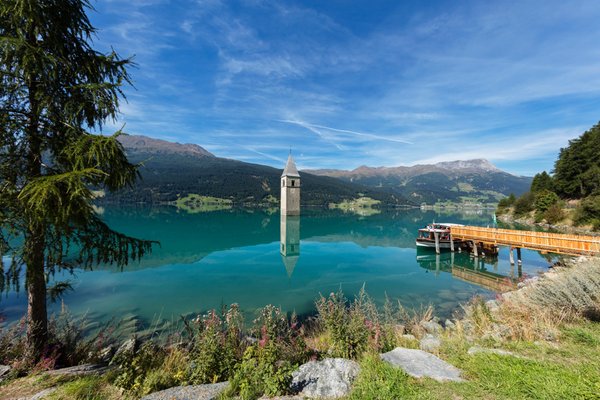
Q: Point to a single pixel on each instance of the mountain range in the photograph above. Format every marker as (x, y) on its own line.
(467, 181)
(173, 170)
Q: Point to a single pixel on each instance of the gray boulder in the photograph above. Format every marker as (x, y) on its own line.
(192, 392)
(432, 327)
(420, 364)
(81, 370)
(4, 370)
(430, 343)
(329, 378)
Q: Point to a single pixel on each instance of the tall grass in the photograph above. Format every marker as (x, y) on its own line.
(537, 311)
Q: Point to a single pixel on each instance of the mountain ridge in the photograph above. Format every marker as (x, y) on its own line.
(173, 170)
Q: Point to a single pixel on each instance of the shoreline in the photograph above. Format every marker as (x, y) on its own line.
(508, 218)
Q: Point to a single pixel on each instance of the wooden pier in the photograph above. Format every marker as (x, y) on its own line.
(540, 241)
(485, 279)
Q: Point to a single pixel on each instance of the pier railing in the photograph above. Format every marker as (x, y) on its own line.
(541, 241)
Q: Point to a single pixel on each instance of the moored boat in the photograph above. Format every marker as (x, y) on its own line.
(426, 236)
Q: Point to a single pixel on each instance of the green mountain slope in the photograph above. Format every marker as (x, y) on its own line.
(457, 181)
(172, 170)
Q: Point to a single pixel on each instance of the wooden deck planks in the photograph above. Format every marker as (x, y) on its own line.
(542, 241)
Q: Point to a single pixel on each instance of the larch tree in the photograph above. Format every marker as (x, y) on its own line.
(54, 90)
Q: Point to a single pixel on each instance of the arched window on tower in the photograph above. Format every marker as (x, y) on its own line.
(293, 182)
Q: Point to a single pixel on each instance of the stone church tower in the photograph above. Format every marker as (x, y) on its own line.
(290, 189)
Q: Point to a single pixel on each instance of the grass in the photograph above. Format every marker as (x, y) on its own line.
(362, 206)
(88, 388)
(195, 203)
(570, 370)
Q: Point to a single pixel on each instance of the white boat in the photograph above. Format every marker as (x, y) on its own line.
(426, 236)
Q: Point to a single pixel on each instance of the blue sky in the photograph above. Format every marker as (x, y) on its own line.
(350, 83)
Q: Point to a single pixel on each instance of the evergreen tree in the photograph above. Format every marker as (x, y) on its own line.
(571, 176)
(541, 181)
(55, 88)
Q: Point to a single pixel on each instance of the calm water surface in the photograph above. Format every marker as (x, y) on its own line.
(223, 257)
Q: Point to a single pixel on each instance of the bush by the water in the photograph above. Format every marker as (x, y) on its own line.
(524, 204)
(588, 212)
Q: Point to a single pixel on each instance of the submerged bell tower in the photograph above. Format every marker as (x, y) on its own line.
(290, 189)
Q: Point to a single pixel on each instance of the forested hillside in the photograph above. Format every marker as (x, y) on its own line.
(571, 193)
(172, 170)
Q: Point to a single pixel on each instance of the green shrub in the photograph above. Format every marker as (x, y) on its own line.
(505, 203)
(262, 372)
(544, 200)
(356, 327)
(588, 211)
(134, 365)
(267, 366)
(524, 204)
(217, 345)
(345, 325)
(173, 372)
(554, 214)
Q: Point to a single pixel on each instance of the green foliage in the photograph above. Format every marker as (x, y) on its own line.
(267, 365)
(135, 365)
(576, 169)
(172, 372)
(356, 327)
(53, 87)
(507, 201)
(544, 199)
(379, 380)
(588, 211)
(262, 372)
(86, 388)
(524, 204)
(542, 181)
(554, 214)
(217, 345)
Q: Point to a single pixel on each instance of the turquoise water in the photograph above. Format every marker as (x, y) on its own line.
(209, 259)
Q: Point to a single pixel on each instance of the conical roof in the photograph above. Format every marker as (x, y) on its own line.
(290, 263)
(290, 168)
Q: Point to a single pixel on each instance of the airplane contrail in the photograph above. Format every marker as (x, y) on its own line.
(370, 135)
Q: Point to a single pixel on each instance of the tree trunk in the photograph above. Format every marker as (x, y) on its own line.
(35, 238)
(37, 317)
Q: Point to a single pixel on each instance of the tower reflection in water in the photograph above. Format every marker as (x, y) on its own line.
(290, 242)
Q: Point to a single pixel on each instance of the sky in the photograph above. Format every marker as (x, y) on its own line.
(350, 83)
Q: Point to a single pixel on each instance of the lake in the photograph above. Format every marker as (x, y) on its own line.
(217, 258)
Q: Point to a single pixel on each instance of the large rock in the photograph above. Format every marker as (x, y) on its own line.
(329, 378)
(432, 327)
(4, 370)
(81, 370)
(421, 364)
(40, 395)
(192, 392)
(430, 343)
